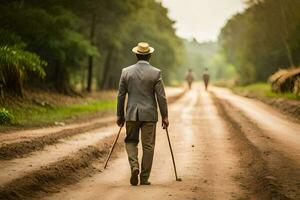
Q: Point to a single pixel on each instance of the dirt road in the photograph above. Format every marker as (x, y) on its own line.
(226, 147)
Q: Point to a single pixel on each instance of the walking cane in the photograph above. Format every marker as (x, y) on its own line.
(177, 178)
(112, 148)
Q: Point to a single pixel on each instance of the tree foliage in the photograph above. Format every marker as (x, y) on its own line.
(263, 38)
(15, 62)
(148, 23)
(86, 43)
(199, 56)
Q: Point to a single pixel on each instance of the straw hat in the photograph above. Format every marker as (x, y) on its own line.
(143, 48)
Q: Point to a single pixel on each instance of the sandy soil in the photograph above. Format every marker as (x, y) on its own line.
(196, 149)
(15, 144)
(225, 146)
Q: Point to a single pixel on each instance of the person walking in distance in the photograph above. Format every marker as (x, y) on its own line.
(206, 78)
(145, 89)
(189, 78)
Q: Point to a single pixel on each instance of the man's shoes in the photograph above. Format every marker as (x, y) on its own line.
(134, 180)
(145, 183)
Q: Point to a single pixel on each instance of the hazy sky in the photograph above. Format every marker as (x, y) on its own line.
(201, 19)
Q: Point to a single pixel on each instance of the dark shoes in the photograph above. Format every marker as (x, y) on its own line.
(134, 180)
(145, 183)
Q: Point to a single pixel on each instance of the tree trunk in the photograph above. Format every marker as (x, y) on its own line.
(90, 74)
(285, 36)
(13, 84)
(61, 79)
(83, 79)
(91, 59)
(107, 65)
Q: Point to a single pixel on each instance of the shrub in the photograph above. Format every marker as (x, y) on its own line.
(15, 63)
(5, 116)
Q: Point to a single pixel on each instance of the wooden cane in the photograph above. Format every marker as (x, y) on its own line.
(112, 148)
(174, 165)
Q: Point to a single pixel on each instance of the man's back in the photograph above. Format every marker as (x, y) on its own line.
(143, 83)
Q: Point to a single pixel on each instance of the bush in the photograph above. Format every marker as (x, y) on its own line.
(5, 117)
(15, 63)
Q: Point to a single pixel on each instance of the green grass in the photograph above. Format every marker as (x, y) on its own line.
(36, 115)
(263, 90)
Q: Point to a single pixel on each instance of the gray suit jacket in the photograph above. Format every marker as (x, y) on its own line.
(145, 88)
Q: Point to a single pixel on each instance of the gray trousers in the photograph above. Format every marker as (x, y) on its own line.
(148, 130)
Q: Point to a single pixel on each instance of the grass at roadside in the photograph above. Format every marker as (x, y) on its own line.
(41, 115)
(262, 90)
(35, 115)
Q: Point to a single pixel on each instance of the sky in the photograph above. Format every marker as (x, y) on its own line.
(201, 19)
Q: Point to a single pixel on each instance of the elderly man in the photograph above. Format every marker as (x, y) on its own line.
(145, 88)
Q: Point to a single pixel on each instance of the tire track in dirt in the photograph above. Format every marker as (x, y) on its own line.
(257, 177)
(13, 169)
(218, 163)
(274, 124)
(19, 149)
(51, 178)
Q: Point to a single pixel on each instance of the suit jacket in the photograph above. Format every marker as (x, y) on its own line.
(145, 88)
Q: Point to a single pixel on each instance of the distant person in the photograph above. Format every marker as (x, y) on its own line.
(189, 78)
(145, 88)
(206, 78)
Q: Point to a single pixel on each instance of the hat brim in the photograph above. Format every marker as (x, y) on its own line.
(135, 50)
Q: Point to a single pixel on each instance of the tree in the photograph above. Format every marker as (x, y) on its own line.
(156, 28)
(262, 39)
(101, 17)
(53, 34)
(90, 39)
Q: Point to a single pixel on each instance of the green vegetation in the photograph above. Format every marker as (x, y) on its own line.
(250, 47)
(5, 117)
(34, 115)
(199, 56)
(262, 90)
(15, 63)
(84, 43)
(262, 39)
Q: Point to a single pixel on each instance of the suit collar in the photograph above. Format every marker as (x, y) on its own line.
(143, 62)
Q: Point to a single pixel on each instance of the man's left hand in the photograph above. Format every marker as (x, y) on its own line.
(120, 121)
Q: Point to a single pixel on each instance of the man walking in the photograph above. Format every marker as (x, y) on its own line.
(206, 78)
(189, 78)
(145, 88)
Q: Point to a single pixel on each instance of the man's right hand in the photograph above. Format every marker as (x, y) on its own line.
(165, 123)
(120, 121)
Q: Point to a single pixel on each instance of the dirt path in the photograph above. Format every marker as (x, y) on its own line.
(28, 159)
(271, 121)
(199, 139)
(271, 139)
(226, 147)
(12, 169)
